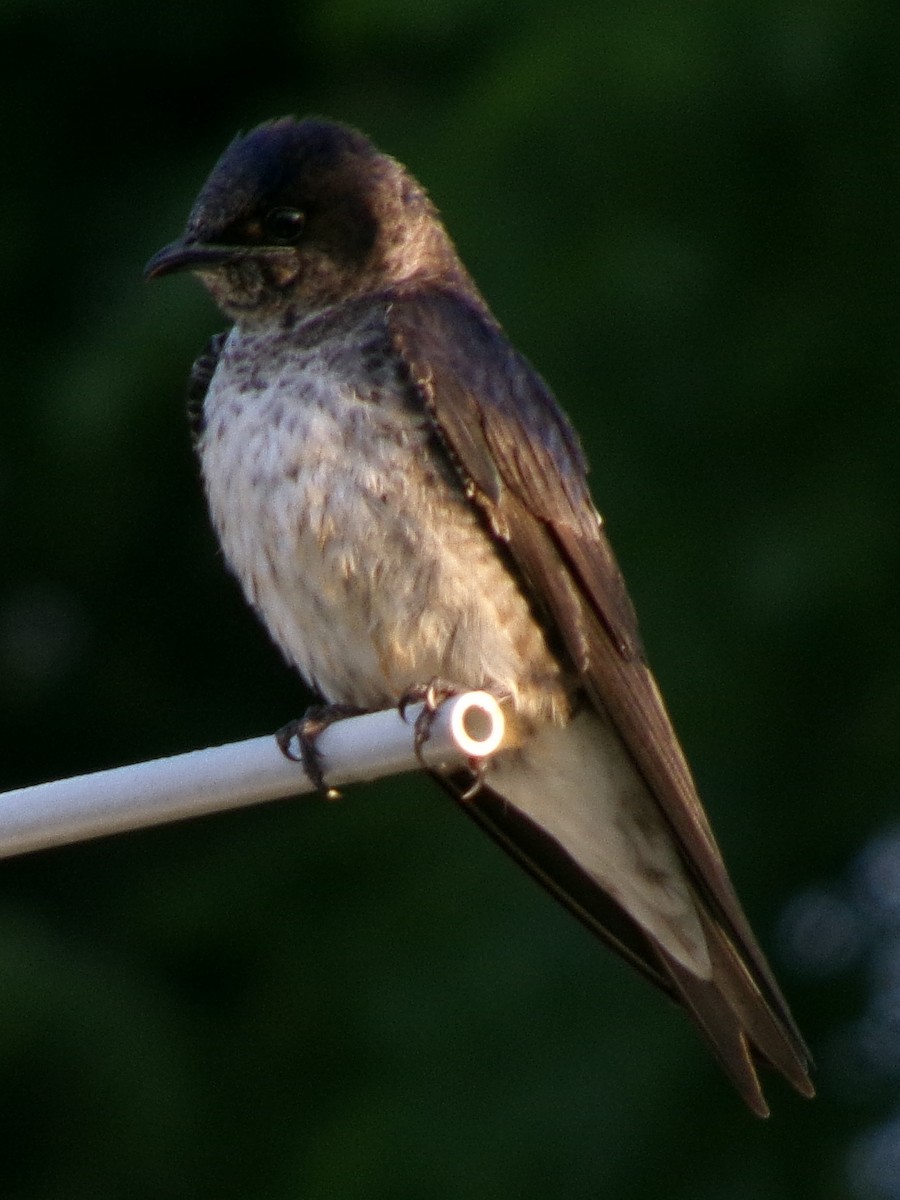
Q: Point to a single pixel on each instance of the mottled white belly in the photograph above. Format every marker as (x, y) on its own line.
(367, 565)
(374, 574)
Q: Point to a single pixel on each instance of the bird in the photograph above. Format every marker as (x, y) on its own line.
(405, 506)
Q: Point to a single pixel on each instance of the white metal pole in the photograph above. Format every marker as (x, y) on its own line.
(467, 726)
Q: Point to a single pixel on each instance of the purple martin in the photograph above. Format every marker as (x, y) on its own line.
(403, 502)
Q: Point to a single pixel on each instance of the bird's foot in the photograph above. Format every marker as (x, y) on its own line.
(307, 730)
(431, 696)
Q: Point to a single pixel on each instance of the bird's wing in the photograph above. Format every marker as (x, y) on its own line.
(202, 371)
(520, 461)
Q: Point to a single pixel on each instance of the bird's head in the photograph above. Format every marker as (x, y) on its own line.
(303, 214)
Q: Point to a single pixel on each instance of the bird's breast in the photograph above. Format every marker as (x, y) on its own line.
(351, 537)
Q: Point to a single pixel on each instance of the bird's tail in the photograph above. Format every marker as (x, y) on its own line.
(572, 809)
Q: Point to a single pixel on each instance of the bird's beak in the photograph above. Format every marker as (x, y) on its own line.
(184, 255)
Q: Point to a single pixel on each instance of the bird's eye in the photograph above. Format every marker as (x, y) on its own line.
(284, 225)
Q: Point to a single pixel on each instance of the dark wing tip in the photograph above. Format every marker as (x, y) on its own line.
(742, 1026)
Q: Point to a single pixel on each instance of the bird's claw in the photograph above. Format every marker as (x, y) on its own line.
(478, 768)
(306, 730)
(431, 696)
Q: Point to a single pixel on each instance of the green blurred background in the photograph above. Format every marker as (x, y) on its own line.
(686, 216)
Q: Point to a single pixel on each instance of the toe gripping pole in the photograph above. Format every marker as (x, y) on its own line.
(465, 727)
